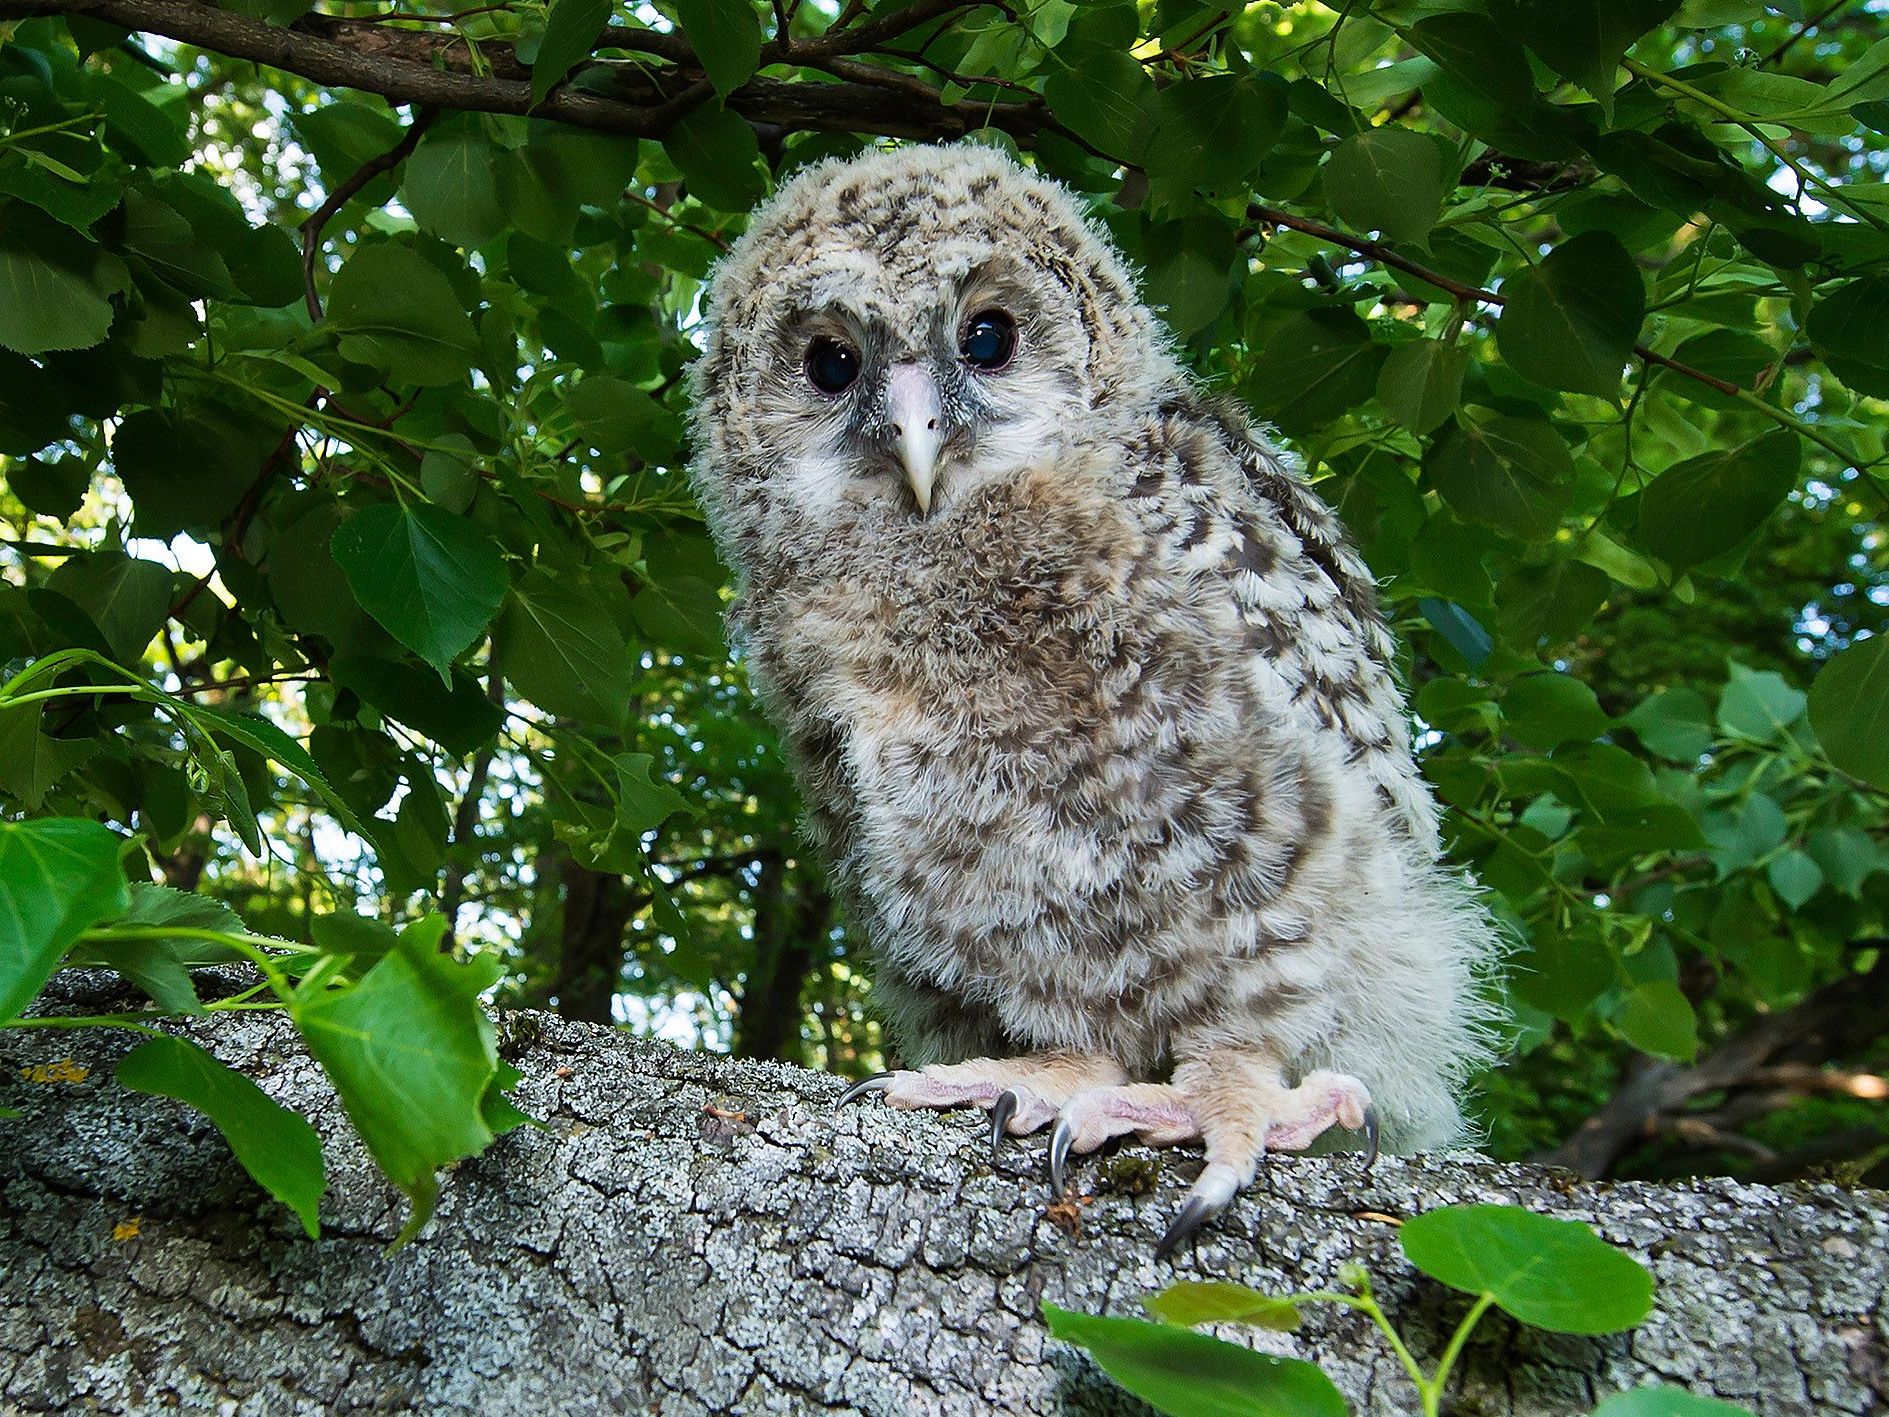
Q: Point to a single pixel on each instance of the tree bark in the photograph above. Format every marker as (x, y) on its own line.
(691, 1234)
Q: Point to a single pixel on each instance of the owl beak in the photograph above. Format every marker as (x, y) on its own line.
(917, 418)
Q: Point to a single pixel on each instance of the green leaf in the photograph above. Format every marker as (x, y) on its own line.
(1736, 356)
(1459, 629)
(1583, 40)
(571, 28)
(1554, 602)
(411, 1053)
(1795, 877)
(1745, 833)
(262, 736)
(1849, 709)
(1846, 328)
(462, 720)
(447, 475)
(643, 802)
(53, 294)
(1656, 1018)
(562, 650)
(1572, 321)
(1187, 273)
(188, 468)
(32, 760)
(1105, 96)
(1707, 505)
(616, 417)
(58, 877)
(1547, 710)
(159, 233)
(160, 967)
(128, 599)
(54, 488)
(1676, 724)
(1387, 179)
(1846, 856)
(1666, 1402)
(1563, 974)
(395, 312)
(1191, 1302)
(727, 39)
(1554, 1274)
(451, 184)
(1317, 366)
(718, 155)
(432, 579)
(1758, 705)
(1211, 132)
(143, 131)
(275, 1146)
(1190, 1374)
(1514, 474)
(1422, 382)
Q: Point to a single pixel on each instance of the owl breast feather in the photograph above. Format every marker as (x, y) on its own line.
(1033, 756)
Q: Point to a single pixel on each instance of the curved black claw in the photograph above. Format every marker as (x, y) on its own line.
(1060, 1141)
(1196, 1213)
(1370, 1141)
(878, 1082)
(1001, 1111)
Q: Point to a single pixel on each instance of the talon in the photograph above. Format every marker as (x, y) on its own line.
(1001, 1111)
(1196, 1213)
(1060, 1141)
(1370, 1141)
(878, 1082)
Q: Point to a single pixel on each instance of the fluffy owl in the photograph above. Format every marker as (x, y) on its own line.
(1090, 700)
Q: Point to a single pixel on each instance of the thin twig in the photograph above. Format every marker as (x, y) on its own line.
(343, 194)
(1805, 28)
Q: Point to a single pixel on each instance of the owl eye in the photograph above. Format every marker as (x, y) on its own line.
(832, 365)
(990, 338)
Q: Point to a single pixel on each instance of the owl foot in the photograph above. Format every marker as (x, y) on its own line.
(1241, 1122)
(1023, 1095)
(1155, 1112)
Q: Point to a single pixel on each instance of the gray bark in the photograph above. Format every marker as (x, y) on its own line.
(642, 1253)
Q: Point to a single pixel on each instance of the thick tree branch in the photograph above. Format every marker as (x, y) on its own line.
(709, 1235)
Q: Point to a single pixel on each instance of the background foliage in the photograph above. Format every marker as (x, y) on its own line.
(353, 579)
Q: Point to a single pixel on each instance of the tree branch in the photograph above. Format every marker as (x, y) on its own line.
(1643, 1106)
(345, 193)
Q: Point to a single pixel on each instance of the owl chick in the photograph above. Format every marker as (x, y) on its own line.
(1090, 700)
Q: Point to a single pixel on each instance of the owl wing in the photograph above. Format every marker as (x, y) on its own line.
(1306, 600)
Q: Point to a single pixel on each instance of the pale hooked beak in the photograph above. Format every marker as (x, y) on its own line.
(917, 418)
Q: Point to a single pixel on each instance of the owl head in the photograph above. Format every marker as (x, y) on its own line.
(896, 330)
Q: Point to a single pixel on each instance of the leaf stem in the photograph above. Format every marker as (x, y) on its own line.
(1754, 127)
(1454, 1350)
(133, 1022)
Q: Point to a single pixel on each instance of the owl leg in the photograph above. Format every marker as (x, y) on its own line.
(1022, 1094)
(1244, 1107)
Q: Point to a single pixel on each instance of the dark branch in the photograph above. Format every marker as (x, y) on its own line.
(343, 194)
(1656, 1095)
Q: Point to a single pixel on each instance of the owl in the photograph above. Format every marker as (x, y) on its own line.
(1091, 702)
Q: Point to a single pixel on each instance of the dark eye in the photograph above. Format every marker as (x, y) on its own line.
(832, 365)
(990, 338)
